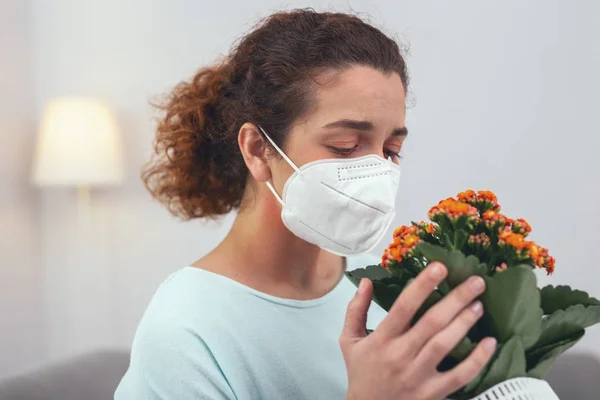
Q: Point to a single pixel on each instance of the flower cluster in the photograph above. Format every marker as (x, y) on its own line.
(453, 210)
(405, 240)
(481, 240)
(541, 257)
(493, 220)
(521, 226)
(488, 234)
(483, 200)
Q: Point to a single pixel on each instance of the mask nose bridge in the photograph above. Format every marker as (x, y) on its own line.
(354, 172)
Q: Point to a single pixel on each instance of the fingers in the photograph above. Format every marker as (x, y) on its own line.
(355, 323)
(434, 351)
(441, 314)
(466, 371)
(407, 304)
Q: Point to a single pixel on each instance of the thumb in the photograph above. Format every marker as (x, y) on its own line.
(355, 324)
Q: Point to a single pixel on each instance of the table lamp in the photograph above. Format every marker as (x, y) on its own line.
(78, 145)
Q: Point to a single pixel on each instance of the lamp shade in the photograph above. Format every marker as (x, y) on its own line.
(78, 144)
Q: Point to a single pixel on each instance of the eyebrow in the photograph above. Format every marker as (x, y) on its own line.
(362, 126)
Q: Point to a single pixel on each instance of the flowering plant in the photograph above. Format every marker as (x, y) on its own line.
(471, 237)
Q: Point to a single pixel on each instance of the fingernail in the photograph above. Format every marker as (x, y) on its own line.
(489, 344)
(362, 286)
(438, 270)
(477, 308)
(477, 284)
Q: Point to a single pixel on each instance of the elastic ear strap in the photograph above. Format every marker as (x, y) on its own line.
(275, 193)
(286, 158)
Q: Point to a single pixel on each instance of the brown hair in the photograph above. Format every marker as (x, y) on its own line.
(198, 170)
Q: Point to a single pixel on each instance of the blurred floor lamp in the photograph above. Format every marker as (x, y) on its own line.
(79, 146)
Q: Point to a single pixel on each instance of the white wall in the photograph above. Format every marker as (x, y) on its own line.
(20, 278)
(507, 98)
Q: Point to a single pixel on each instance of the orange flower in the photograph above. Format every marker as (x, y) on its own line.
(396, 253)
(467, 195)
(386, 258)
(405, 230)
(521, 226)
(404, 242)
(516, 240)
(411, 240)
(430, 229)
(453, 209)
(550, 265)
(489, 215)
(534, 251)
(483, 199)
(504, 234)
(487, 195)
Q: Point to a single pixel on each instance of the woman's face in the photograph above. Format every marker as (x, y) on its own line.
(359, 111)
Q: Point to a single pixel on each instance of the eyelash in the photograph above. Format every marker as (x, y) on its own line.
(347, 151)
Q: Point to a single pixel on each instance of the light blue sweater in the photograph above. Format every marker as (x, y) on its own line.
(205, 336)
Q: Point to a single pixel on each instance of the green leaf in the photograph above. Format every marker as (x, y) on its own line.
(563, 324)
(541, 360)
(386, 287)
(459, 266)
(509, 364)
(563, 297)
(432, 252)
(512, 306)
(385, 295)
(373, 272)
(560, 331)
(460, 238)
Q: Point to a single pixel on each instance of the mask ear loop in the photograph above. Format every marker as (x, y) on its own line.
(286, 158)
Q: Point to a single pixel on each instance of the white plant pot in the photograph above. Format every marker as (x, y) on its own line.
(519, 389)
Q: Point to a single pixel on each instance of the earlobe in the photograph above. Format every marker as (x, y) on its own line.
(254, 150)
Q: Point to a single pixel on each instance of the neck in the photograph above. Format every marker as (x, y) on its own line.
(262, 253)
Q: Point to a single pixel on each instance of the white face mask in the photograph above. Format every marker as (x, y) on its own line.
(344, 206)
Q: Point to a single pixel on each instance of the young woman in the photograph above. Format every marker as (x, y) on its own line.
(299, 128)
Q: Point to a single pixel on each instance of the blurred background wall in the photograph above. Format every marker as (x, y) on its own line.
(21, 275)
(505, 94)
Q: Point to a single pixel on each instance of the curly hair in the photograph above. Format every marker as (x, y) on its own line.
(197, 169)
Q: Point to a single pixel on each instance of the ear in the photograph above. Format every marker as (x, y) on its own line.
(254, 150)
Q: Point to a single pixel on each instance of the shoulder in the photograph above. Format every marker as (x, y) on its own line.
(188, 306)
(170, 357)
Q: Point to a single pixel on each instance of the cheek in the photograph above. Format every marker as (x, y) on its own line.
(303, 147)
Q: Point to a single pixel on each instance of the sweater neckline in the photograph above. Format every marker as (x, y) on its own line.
(268, 297)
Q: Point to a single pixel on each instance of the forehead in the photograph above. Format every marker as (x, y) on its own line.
(360, 93)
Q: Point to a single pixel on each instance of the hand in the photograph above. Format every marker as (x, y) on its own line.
(398, 361)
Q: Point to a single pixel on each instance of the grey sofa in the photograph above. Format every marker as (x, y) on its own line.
(92, 376)
(95, 376)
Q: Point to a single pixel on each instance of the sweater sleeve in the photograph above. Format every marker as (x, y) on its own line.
(170, 362)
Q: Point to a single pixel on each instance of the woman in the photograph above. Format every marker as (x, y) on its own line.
(299, 128)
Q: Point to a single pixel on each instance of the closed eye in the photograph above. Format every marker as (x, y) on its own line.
(393, 154)
(342, 151)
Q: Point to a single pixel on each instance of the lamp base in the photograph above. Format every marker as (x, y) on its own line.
(84, 204)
